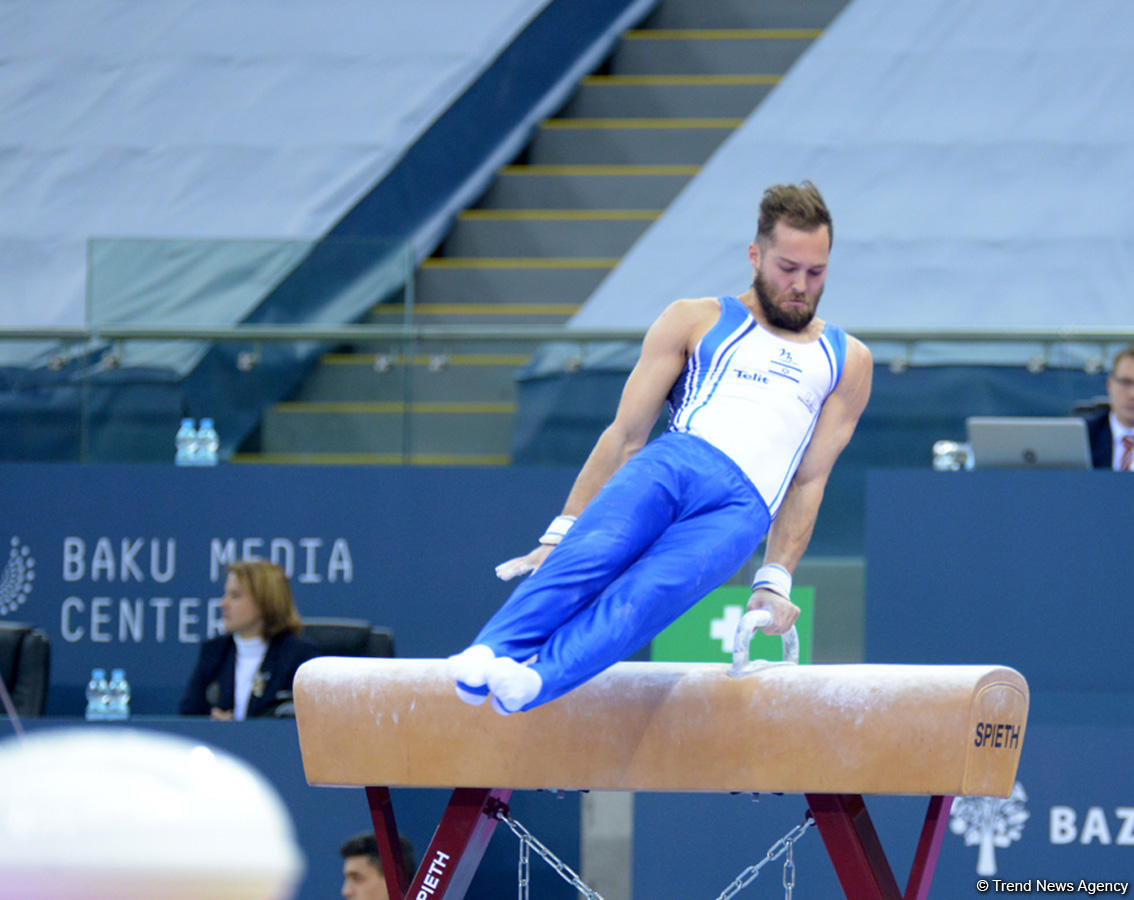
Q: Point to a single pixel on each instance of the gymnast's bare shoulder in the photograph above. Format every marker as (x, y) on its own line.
(682, 324)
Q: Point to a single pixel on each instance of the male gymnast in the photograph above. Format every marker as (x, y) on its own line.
(763, 398)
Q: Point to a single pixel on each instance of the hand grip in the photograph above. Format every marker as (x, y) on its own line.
(749, 622)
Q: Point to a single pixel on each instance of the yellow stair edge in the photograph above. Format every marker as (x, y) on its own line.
(382, 407)
(560, 215)
(371, 459)
(681, 80)
(519, 262)
(722, 34)
(604, 169)
(643, 124)
(453, 359)
(480, 309)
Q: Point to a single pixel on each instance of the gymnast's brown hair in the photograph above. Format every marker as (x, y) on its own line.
(798, 205)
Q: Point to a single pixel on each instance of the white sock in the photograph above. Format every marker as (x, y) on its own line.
(498, 706)
(513, 685)
(469, 697)
(471, 665)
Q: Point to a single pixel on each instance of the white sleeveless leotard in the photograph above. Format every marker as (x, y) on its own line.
(755, 396)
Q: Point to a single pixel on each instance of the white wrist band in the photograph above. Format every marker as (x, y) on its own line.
(773, 578)
(559, 527)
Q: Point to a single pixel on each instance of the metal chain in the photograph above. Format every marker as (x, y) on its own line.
(527, 839)
(778, 849)
(523, 875)
(789, 871)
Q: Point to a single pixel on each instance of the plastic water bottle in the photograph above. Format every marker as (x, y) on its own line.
(186, 443)
(952, 456)
(208, 443)
(98, 691)
(118, 696)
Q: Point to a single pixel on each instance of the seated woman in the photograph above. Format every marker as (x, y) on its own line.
(248, 671)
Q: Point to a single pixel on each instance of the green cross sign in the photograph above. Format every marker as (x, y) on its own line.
(705, 632)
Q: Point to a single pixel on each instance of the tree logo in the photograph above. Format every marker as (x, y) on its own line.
(16, 578)
(990, 822)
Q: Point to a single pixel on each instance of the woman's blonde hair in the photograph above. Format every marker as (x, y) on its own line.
(271, 592)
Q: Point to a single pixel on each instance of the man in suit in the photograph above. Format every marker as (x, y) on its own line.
(1111, 430)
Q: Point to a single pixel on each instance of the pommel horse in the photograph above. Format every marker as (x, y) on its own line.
(830, 732)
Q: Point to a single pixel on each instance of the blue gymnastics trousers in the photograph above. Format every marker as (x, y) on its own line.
(674, 522)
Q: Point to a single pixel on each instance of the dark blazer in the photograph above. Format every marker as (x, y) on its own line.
(213, 682)
(1101, 438)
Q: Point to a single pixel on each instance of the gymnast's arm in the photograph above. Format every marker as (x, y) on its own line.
(791, 530)
(665, 348)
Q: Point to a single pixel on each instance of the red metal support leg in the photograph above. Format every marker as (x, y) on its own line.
(458, 844)
(928, 848)
(854, 847)
(389, 844)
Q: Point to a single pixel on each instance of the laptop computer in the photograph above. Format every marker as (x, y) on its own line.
(1011, 442)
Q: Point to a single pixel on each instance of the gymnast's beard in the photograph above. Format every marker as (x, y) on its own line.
(789, 318)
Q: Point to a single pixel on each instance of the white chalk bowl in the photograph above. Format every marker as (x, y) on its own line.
(99, 813)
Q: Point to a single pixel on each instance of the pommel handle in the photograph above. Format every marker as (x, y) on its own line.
(749, 623)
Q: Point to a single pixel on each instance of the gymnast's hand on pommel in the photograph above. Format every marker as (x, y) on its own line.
(521, 565)
(784, 612)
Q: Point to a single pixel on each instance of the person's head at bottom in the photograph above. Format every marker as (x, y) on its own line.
(363, 878)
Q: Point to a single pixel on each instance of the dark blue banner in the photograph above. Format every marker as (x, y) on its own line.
(121, 565)
(124, 565)
(1029, 569)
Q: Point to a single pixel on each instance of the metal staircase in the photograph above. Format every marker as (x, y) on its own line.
(543, 236)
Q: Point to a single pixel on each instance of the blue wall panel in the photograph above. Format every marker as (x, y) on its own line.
(127, 561)
(1024, 568)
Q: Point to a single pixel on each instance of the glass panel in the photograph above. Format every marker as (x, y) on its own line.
(162, 342)
(317, 352)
